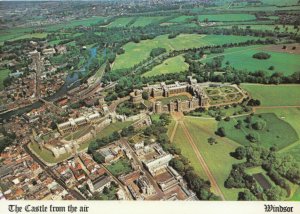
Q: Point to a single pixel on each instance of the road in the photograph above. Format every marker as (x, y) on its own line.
(159, 192)
(49, 171)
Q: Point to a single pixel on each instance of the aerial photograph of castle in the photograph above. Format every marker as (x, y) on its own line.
(150, 100)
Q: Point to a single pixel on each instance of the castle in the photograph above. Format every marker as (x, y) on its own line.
(198, 99)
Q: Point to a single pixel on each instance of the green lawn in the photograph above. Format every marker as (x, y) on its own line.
(187, 151)
(291, 116)
(181, 19)
(296, 196)
(275, 132)
(146, 20)
(275, 95)
(167, 100)
(30, 35)
(117, 126)
(46, 155)
(3, 74)
(137, 52)
(227, 17)
(121, 166)
(287, 28)
(171, 65)
(120, 22)
(241, 58)
(217, 156)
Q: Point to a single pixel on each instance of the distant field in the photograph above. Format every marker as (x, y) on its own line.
(287, 28)
(3, 74)
(264, 8)
(143, 21)
(227, 17)
(275, 95)
(216, 156)
(137, 52)
(275, 132)
(241, 58)
(120, 22)
(171, 65)
(32, 35)
(280, 2)
(181, 19)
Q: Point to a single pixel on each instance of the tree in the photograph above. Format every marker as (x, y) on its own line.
(275, 193)
(145, 95)
(259, 125)
(177, 165)
(240, 153)
(227, 119)
(218, 118)
(246, 196)
(221, 132)
(271, 68)
(211, 141)
(261, 55)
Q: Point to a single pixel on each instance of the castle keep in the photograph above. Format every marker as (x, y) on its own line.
(198, 99)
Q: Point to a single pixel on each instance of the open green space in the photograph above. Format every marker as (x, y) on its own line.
(171, 65)
(167, 100)
(137, 52)
(242, 58)
(216, 156)
(3, 74)
(291, 116)
(30, 35)
(281, 28)
(272, 132)
(120, 22)
(227, 17)
(46, 155)
(296, 196)
(274, 95)
(181, 19)
(181, 142)
(146, 20)
(121, 166)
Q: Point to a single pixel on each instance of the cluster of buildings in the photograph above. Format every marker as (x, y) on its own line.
(33, 81)
(196, 92)
(22, 178)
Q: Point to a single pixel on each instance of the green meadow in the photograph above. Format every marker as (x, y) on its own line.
(227, 17)
(241, 58)
(171, 65)
(137, 52)
(145, 20)
(275, 131)
(274, 95)
(120, 22)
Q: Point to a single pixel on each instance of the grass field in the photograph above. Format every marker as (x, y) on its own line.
(144, 21)
(287, 28)
(3, 74)
(137, 52)
(241, 58)
(216, 156)
(30, 35)
(46, 155)
(227, 17)
(275, 132)
(121, 166)
(187, 151)
(291, 116)
(171, 65)
(180, 19)
(275, 95)
(120, 22)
